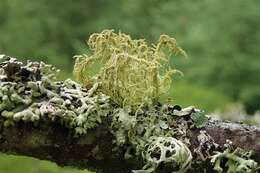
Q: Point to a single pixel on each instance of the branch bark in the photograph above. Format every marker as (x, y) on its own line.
(94, 150)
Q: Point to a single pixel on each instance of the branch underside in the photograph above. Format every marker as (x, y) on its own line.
(55, 143)
(94, 150)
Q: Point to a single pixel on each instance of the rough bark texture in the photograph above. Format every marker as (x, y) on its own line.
(54, 142)
(241, 135)
(94, 150)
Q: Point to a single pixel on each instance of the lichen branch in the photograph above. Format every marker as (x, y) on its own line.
(63, 122)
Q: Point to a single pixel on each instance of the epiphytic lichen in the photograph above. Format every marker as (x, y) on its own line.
(167, 153)
(206, 146)
(28, 93)
(140, 134)
(131, 72)
(134, 75)
(237, 161)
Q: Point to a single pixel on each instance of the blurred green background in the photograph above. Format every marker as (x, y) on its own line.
(222, 39)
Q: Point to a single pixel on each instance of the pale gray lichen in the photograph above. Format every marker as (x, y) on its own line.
(167, 152)
(237, 161)
(206, 146)
(29, 93)
(139, 131)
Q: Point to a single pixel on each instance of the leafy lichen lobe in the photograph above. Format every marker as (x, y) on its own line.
(29, 93)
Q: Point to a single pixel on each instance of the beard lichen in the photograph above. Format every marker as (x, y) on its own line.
(131, 72)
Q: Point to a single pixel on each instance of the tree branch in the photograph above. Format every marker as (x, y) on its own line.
(54, 142)
(72, 126)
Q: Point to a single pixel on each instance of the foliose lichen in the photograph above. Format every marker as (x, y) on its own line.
(206, 146)
(29, 93)
(151, 135)
(168, 153)
(237, 161)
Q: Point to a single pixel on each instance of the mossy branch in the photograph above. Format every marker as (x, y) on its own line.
(67, 124)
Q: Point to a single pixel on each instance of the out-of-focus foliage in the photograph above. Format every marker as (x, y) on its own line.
(221, 37)
(236, 112)
(17, 164)
(186, 94)
(251, 99)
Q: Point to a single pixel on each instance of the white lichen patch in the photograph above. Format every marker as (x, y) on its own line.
(150, 135)
(237, 161)
(170, 152)
(29, 93)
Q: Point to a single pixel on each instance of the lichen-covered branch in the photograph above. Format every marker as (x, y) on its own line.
(70, 125)
(53, 142)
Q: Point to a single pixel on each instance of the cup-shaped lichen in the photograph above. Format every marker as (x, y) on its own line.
(131, 72)
(171, 152)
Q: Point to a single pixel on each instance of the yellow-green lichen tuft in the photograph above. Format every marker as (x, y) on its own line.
(131, 72)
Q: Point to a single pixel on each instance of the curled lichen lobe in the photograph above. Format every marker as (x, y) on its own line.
(30, 93)
(131, 72)
(236, 161)
(169, 151)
